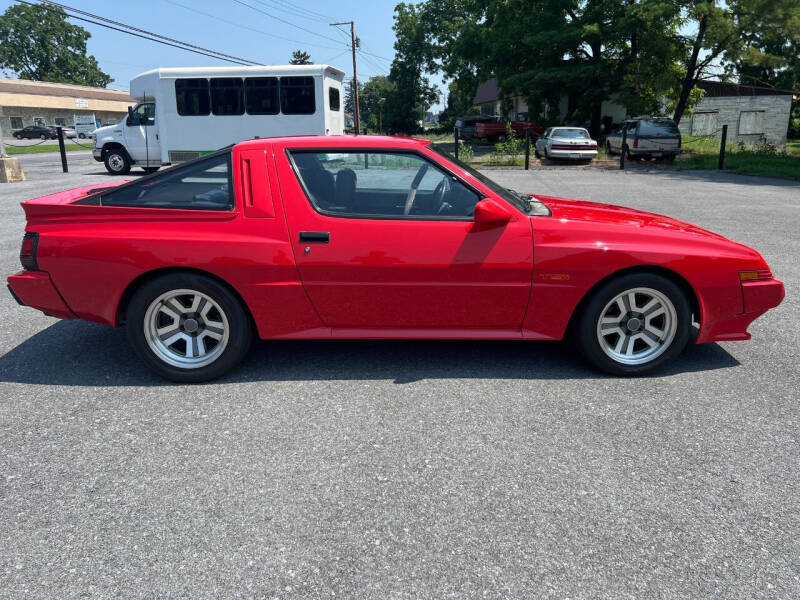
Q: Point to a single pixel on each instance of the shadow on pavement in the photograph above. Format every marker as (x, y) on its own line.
(84, 354)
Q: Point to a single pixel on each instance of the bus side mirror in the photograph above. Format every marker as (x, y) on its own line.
(131, 119)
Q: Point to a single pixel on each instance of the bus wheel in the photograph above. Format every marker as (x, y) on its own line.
(117, 162)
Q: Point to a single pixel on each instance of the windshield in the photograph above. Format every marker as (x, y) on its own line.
(522, 201)
(661, 128)
(571, 133)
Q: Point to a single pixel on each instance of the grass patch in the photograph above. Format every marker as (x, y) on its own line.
(42, 148)
(764, 160)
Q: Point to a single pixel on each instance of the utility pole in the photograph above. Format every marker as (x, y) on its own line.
(357, 115)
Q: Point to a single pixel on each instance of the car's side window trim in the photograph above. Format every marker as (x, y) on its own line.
(342, 150)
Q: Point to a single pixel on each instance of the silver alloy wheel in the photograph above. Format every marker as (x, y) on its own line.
(116, 162)
(637, 326)
(186, 328)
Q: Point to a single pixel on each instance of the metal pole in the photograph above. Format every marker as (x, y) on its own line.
(527, 149)
(624, 147)
(721, 164)
(455, 133)
(62, 150)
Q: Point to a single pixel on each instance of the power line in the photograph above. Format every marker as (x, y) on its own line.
(301, 28)
(297, 11)
(143, 33)
(260, 31)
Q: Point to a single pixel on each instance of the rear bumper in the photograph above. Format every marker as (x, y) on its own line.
(757, 298)
(35, 289)
(573, 154)
(643, 152)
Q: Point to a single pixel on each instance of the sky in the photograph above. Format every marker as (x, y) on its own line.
(238, 30)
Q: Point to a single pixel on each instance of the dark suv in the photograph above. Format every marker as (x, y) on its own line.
(647, 137)
(36, 131)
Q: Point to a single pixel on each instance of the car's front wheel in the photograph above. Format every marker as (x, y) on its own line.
(188, 328)
(634, 324)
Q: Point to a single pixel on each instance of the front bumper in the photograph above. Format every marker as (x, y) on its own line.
(757, 298)
(36, 289)
(97, 154)
(573, 154)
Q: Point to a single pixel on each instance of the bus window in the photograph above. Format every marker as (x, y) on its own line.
(261, 95)
(333, 98)
(297, 96)
(227, 96)
(191, 96)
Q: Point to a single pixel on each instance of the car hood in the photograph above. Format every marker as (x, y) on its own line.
(637, 221)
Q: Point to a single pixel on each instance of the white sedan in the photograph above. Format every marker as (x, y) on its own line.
(572, 143)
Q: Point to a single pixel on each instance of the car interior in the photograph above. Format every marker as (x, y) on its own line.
(381, 184)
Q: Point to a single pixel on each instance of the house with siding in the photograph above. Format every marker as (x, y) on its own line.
(753, 114)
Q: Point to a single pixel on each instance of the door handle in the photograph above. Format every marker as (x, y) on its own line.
(320, 237)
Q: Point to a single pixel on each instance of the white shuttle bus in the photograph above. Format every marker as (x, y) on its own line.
(183, 113)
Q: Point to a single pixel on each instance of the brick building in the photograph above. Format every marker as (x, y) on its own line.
(24, 103)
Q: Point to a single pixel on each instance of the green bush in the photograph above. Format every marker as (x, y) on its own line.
(465, 151)
(508, 153)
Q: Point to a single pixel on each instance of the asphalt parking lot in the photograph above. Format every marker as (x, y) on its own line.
(409, 470)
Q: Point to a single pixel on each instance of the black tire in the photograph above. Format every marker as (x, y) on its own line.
(536, 152)
(17, 136)
(608, 149)
(240, 331)
(500, 138)
(117, 162)
(82, 136)
(585, 330)
(43, 136)
(150, 169)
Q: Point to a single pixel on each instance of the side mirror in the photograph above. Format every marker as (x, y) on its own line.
(131, 119)
(489, 212)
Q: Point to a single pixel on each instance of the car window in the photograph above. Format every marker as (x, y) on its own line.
(571, 133)
(381, 184)
(631, 127)
(661, 128)
(203, 184)
(143, 114)
(547, 133)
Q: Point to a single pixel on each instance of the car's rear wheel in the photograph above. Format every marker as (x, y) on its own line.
(188, 328)
(634, 324)
(43, 136)
(117, 162)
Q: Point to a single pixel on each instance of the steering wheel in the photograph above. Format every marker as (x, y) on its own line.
(413, 191)
(440, 193)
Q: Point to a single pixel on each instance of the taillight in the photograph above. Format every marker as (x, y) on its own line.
(635, 142)
(759, 275)
(27, 254)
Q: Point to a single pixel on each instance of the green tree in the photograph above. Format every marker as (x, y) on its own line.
(753, 37)
(374, 96)
(37, 43)
(299, 57)
(412, 93)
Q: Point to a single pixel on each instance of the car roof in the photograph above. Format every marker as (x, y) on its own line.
(337, 141)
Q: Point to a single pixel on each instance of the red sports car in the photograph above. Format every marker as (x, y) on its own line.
(375, 237)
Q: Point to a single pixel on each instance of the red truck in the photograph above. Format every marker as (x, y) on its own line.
(498, 131)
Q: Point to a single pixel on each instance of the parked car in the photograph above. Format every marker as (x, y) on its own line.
(32, 132)
(647, 137)
(572, 143)
(497, 131)
(69, 132)
(466, 125)
(375, 237)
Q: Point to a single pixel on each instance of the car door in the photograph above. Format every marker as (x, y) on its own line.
(380, 244)
(141, 140)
